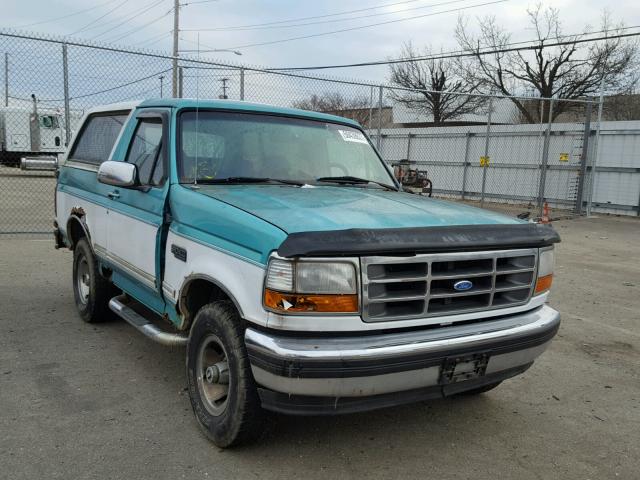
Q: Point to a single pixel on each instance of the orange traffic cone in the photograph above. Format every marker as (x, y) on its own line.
(545, 214)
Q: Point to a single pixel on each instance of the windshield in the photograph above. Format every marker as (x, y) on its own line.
(244, 145)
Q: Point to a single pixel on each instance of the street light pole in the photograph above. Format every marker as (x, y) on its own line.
(176, 24)
(224, 89)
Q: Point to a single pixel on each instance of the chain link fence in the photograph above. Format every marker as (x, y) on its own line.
(512, 155)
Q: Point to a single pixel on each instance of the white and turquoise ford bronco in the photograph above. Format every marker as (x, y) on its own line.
(276, 245)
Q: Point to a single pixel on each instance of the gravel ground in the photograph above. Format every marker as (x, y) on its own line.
(84, 401)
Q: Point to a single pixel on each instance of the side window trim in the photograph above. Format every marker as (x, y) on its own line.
(162, 154)
(83, 127)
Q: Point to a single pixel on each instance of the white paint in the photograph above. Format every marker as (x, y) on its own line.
(95, 216)
(133, 241)
(242, 279)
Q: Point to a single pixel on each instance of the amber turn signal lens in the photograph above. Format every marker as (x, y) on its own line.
(543, 284)
(291, 303)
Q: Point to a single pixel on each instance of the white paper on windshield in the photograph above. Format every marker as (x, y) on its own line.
(352, 136)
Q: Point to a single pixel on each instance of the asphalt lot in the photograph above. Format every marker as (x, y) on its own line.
(84, 401)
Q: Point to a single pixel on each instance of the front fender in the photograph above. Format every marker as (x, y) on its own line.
(240, 278)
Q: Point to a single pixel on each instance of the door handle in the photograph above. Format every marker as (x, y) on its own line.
(114, 194)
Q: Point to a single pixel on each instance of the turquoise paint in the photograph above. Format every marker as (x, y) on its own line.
(147, 296)
(238, 106)
(295, 209)
(83, 184)
(171, 309)
(222, 226)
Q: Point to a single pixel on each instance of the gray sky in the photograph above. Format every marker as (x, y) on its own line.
(152, 30)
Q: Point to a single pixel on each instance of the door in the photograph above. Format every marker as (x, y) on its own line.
(50, 133)
(136, 215)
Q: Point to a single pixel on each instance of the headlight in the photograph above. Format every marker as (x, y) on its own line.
(546, 263)
(336, 278)
(297, 286)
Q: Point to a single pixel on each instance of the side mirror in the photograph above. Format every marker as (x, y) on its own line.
(118, 174)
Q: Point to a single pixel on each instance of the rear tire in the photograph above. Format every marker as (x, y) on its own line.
(222, 390)
(91, 290)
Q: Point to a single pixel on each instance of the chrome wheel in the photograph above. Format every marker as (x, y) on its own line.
(213, 375)
(83, 280)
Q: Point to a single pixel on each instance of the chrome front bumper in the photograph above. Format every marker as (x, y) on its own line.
(380, 365)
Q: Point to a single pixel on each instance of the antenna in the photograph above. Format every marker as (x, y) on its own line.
(195, 178)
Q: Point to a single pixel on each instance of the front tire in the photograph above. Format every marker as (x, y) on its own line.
(91, 290)
(222, 390)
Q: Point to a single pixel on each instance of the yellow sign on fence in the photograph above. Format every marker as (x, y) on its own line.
(564, 157)
(484, 161)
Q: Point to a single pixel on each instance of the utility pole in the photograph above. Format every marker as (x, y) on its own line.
(176, 24)
(161, 77)
(6, 79)
(224, 89)
(65, 86)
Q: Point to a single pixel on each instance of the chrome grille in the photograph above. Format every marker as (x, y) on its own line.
(400, 288)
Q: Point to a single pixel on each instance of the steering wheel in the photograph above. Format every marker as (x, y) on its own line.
(339, 167)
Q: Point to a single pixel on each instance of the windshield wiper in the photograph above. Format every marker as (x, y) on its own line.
(237, 180)
(348, 179)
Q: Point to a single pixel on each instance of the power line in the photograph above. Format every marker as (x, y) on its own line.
(154, 39)
(86, 27)
(466, 53)
(137, 29)
(308, 18)
(196, 3)
(209, 48)
(123, 21)
(107, 90)
(65, 16)
(363, 26)
(349, 18)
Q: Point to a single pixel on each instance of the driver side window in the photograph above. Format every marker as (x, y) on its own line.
(145, 151)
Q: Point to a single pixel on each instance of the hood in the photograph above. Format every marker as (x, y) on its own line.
(325, 208)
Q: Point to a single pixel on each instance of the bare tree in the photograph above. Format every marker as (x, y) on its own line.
(356, 108)
(622, 107)
(438, 88)
(570, 71)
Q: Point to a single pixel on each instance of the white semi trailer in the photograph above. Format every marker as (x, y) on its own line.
(30, 131)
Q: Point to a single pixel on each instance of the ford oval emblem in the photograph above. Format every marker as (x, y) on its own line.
(462, 285)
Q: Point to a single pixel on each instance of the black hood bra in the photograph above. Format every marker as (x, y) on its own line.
(358, 241)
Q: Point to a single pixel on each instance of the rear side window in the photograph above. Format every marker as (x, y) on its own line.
(97, 137)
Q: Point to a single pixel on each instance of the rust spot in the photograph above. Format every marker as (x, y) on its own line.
(79, 211)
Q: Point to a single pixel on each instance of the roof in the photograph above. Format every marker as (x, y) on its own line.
(242, 106)
(114, 106)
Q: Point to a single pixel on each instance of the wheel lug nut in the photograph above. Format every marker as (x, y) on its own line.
(217, 373)
(212, 374)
